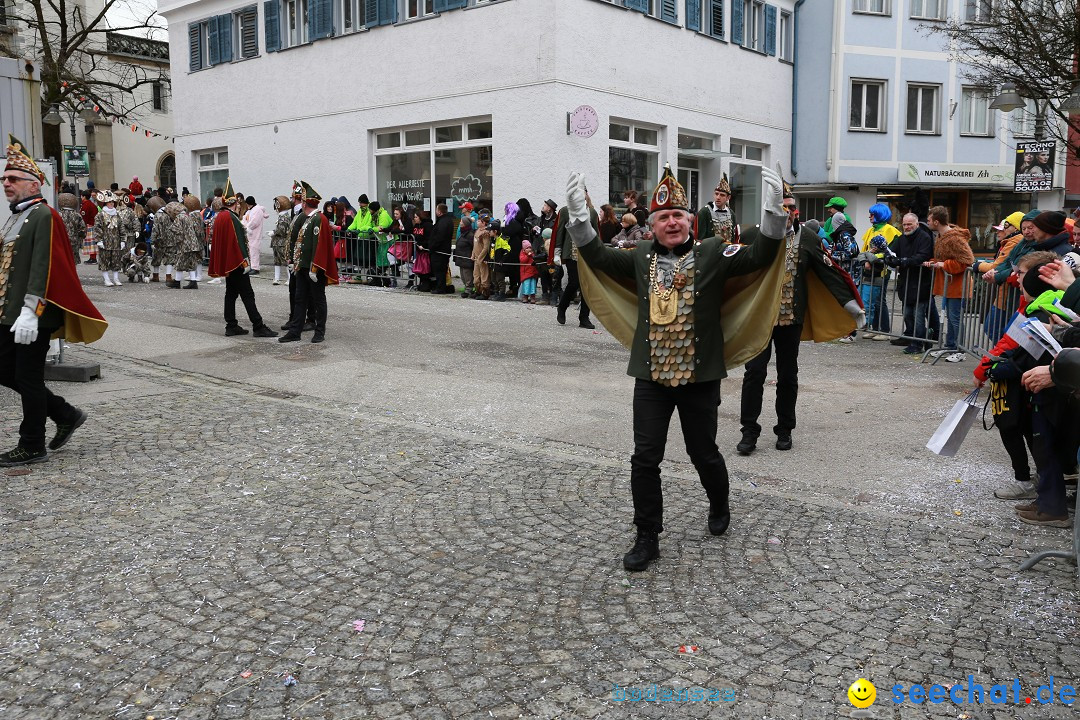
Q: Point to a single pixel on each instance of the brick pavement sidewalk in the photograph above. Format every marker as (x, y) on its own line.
(178, 544)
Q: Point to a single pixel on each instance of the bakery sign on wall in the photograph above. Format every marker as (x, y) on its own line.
(920, 173)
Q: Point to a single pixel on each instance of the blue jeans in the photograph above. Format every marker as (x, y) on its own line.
(915, 319)
(871, 300)
(953, 308)
(994, 324)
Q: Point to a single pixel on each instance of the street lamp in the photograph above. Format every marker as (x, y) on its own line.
(1008, 100)
(1071, 104)
(54, 118)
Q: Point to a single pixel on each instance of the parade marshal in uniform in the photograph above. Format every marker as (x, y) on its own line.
(717, 219)
(41, 298)
(688, 310)
(313, 268)
(229, 259)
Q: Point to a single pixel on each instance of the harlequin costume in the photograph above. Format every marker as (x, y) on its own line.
(41, 298)
(687, 313)
(819, 302)
(715, 222)
(313, 268)
(229, 259)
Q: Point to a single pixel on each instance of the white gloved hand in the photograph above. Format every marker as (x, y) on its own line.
(558, 258)
(123, 244)
(773, 192)
(25, 327)
(313, 275)
(576, 206)
(101, 244)
(856, 311)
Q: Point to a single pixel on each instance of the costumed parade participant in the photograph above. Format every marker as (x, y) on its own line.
(139, 268)
(297, 217)
(68, 204)
(189, 231)
(716, 219)
(229, 259)
(688, 311)
(279, 238)
(819, 302)
(130, 224)
(40, 297)
(107, 238)
(313, 268)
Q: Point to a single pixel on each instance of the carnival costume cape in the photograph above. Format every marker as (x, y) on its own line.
(825, 319)
(749, 307)
(229, 249)
(323, 256)
(82, 321)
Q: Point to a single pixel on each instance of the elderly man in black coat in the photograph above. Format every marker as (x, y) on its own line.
(440, 246)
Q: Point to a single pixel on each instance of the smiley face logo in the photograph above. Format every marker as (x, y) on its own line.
(862, 693)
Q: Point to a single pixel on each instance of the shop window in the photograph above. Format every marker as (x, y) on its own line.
(867, 105)
(975, 112)
(384, 141)
(694, 142)
(985, 209)
(448, 133)
(480, 131)
(418, 137)
(617, 131)
(645, 136)
(630, 170)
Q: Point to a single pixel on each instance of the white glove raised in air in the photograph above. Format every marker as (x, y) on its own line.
(773, 193)
(25, 327)
(576, 205)
(313, 275)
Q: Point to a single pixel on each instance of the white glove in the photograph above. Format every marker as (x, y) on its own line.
(25, 327)
(123, 244)
(856, 312)
(558, 257)
(576, 206)
(773, 192)
(146, 278)
(313, 275)
(101, 245)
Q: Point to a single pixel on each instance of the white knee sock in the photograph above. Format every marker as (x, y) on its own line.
(116, 277)
(198, 273)
(277, 273)
(168, 269)
(108, 280)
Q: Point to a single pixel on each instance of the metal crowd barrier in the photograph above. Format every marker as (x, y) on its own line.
(373, 258)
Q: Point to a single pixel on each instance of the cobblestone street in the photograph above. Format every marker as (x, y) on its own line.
(204, 545)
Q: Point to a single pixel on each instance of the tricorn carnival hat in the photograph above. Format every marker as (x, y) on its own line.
(19, 161)
(309, 192)
(669, 194)
(229, 197)
(297, 188)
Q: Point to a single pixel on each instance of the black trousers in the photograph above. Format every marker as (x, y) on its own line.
(653, 406)
(22, 368)
(571, 290)
(785, 338)
(1014, 440)
(439, 265)
(292, 300)
(238, 285)
(309, 300)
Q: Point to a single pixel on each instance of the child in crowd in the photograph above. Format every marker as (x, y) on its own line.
(872, 264)
(500, 256)
(463, 249)
(529, 273)
(630, 234)
(481, 249)
(139, 269)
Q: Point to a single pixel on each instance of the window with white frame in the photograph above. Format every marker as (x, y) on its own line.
(979, 11)
(349, 16)
(786, 36)
(633, 158)
(872, 7)
(975, 112)
(246, 24)
(753, 24)
(213, 168)
(1025, 119)
(867, 105)
(922, 109)
(419, 8)
(928, 9)
(745, 177)
(295, 18)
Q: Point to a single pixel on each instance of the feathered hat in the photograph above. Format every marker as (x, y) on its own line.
(19, 161)
(669, 194)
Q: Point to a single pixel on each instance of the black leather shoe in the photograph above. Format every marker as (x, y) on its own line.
(308, 327)
(231, 330)
(22, 456)
(646, 549)
(587, 325)
(264, 332)
(783, 442)
(747, 445)
(719, 518)
(289, 337)
(561, 318)
(174, 284)
(318, 337)
(64, 430)
(899, 342)
(192, 285)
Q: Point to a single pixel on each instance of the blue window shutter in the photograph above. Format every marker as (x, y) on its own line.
(371, 13)
(272, 27)
(737, 22)
(320, 19)
(195, 51)
(716, 18)
(213, 48)
(693, 15)
(669, 11)
(380, 12)
(225, 38)
(444, 5)
(639, 5)
(770, 29)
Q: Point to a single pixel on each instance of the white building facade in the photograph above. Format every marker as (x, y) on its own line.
(881, 109)
(442, 101)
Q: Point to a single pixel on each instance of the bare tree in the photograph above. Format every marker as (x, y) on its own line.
(79, 66)
(1033, 44)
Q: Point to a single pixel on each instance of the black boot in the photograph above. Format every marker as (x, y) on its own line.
(646, 549)
(747, 444)
(783, 442)
(191, 285)
(719, 517)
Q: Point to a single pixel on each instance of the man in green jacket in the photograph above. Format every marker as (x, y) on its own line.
(678, 354)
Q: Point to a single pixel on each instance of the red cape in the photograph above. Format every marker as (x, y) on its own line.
(323, 258)
(225, 255)
(82, 321)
